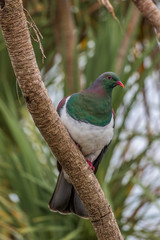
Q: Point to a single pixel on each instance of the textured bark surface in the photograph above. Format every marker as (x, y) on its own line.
(15, 31)
(150, 11)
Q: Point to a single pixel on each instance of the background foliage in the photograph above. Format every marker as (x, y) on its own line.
(81, 40)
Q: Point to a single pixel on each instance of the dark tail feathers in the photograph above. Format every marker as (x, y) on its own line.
(65, 199)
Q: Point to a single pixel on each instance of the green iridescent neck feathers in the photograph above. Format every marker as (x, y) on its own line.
(94, 105)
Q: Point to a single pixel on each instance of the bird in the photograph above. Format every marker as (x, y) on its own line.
(89, 118)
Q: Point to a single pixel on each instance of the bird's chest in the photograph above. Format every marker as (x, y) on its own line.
(90, 138)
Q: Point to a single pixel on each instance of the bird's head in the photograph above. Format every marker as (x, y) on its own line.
(110, 80)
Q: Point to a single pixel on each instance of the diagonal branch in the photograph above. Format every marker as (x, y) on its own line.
(16, 34)
(150, 11)
(110, 8)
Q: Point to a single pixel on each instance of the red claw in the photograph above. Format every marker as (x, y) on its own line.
(90, 164)
(88, 161)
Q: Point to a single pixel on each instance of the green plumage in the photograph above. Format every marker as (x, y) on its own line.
(94, 105)
(90, 108)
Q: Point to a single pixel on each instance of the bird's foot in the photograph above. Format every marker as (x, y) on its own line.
(90, 164)
(88, 161)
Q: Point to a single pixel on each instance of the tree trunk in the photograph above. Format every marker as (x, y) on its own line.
(66, 40)
(16, 34)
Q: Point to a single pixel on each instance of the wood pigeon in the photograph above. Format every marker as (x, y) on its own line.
(89, 119)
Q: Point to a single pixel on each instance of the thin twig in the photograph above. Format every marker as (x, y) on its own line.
(110, 8)
(37, 33)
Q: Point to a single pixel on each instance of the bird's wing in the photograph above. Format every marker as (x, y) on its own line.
(100, 157)
(104, 150)
(61, 104)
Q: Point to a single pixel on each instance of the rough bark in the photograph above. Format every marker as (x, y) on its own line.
(150, 11)
(16, 34)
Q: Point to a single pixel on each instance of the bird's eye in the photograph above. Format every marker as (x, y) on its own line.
(109, 77)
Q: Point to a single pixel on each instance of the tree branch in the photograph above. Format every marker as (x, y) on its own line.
(16, 34)
(150, 11)
(110, 8)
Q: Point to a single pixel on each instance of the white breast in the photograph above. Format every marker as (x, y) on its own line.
(90, 138)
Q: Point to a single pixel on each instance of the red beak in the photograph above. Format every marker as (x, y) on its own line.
(120, 84)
